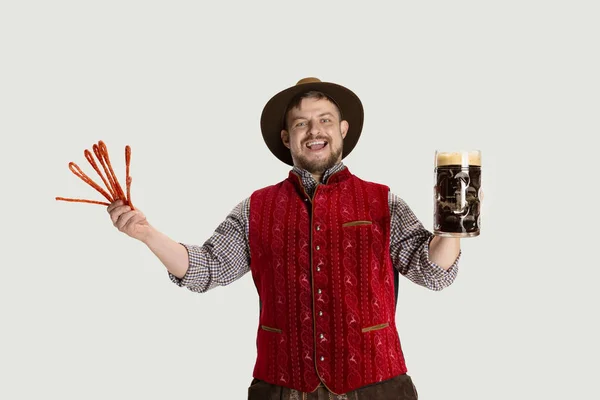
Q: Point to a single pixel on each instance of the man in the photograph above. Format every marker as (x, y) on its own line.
(324, 248)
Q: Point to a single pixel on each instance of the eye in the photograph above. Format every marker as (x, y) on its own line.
(325, 120)
(301, 124)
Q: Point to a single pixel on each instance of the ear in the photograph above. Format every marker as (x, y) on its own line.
(285, 138)
(344, 128)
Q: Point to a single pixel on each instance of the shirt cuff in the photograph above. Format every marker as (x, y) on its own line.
(448, 274)
(195, 271)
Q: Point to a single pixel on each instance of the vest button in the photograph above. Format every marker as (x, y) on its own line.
(318, 269)
(320, 313)
(319, 291)
(318, 248)
(321, 336)
(322, 358)
(318, 227)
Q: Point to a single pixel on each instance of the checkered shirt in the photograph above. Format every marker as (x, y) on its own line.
(225, 256)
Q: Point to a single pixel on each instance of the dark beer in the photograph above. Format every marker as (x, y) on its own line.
(457, 194)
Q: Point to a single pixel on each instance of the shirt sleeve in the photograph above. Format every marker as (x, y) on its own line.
(409, 248)
(223, 258)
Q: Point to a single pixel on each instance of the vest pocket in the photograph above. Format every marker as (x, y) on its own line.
(375, 327)
(355, 223)
(269, 329)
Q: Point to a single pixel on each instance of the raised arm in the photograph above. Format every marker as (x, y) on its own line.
(416, 252)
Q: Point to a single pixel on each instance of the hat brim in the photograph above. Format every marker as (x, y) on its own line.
(272, 118)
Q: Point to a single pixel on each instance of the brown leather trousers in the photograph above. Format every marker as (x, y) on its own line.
(400, 387)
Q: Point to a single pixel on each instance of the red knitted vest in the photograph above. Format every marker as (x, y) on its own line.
(324, 276)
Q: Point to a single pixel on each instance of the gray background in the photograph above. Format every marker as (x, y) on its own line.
(88, 313)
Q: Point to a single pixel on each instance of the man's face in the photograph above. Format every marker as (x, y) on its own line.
(315, 135)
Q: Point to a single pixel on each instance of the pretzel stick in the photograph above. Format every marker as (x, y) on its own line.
(117, 188)
(91, 160)
(127, 176)
(80, 174)
(129, 193)
(111, 185)
(83, 201)
(127, 160)
(111, 181)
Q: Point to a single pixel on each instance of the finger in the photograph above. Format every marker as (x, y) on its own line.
(116, 213)
(137, 218)
(123, 218)
(114, 205)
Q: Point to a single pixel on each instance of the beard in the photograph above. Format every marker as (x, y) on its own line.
(321, 165)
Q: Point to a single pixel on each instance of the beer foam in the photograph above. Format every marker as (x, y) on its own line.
(459, 158)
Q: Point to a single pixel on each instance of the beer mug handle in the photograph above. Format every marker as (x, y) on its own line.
(462, 207)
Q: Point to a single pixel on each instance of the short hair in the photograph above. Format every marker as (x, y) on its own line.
(313, 94)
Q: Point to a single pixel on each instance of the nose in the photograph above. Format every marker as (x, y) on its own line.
(314, 128)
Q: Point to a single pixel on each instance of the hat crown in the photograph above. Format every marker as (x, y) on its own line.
(308, 80)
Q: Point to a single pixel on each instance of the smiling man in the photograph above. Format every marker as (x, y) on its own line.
(325, 249)
(314, 133)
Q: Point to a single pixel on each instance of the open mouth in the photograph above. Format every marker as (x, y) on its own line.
(315, 145)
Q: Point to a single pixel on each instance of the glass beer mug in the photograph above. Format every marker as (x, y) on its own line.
(457, 193)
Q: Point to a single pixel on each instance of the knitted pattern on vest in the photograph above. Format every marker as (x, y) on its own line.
(325, 281)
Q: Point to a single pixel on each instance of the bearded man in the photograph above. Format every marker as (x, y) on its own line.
(325, 249)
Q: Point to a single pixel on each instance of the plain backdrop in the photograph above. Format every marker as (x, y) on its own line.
(89, 313)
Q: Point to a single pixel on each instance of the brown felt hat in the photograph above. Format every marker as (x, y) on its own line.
(272, 119)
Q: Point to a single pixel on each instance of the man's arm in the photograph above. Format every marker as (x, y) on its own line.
(416, 252)
(444, 251)
(172, 254)
(224, 257)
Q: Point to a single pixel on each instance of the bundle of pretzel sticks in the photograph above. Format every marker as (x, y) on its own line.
(113, 190)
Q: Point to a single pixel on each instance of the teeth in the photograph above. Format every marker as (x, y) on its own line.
(311, 144)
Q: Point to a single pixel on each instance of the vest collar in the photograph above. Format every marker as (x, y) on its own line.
(333, 179)
(309, 180)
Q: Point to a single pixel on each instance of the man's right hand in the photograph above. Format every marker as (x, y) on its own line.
(128, 221)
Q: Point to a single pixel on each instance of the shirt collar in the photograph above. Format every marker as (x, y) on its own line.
(309, 182)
